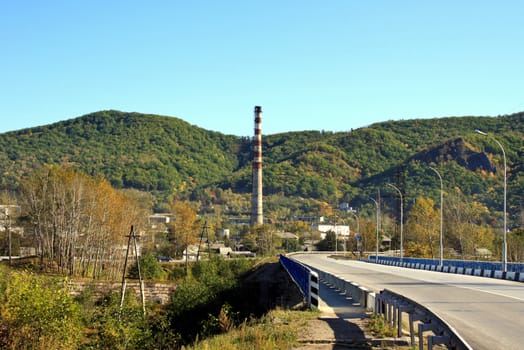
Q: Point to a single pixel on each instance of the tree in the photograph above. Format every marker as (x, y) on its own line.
(516, 245)
(328, 243)
(422, 227)
(183, 230)
(77, 221)
(464, 224)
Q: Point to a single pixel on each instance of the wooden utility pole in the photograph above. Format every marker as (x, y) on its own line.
(202, 233)
(132, 236)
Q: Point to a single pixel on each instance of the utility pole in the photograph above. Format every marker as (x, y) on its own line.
(7, 227)
(202, 233)
(132, 236)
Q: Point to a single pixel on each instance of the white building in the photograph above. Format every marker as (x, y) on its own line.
(341, 231)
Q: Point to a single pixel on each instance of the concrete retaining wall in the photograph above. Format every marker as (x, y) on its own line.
(153, 292)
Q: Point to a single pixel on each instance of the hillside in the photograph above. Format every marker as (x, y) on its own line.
(146, 152)
(166, 155)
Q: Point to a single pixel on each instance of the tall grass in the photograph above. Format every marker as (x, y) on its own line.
(276, 330)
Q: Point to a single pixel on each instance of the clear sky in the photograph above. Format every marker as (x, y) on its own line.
(332, 65)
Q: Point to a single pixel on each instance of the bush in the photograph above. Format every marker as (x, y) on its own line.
(149, 267)
(117, 328)
(38, 313)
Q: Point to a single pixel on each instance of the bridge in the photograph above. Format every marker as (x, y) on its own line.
(483, 313)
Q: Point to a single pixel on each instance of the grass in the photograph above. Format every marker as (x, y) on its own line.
(379, 326)
(276, 330)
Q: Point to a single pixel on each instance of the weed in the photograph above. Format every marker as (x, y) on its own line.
(379, 326)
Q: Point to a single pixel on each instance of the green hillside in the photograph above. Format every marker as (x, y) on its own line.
(166, 156)
(146, 152)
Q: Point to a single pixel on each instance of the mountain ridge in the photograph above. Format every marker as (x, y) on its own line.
(167, 155)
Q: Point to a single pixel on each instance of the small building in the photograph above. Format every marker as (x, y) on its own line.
(342, 231)
(161, 218)
(190, 252)
(223, 234)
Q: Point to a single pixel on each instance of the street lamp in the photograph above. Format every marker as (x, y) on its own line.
(358, 236)
(401, 217)
(441, 257)
(376, 225)
(336, 236)
(505, 246)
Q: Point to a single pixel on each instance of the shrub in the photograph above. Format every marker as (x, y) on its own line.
(149, 267)
(38, 313)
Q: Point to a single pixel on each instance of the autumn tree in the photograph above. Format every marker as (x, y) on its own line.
(465, 225)
(77, 221)
(368, 234)
(515, 241)
(183, 230)
(422, 228)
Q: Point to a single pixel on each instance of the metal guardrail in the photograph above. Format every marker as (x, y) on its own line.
(393, 305)
(305, 278)
(359, 295)
(475, 268)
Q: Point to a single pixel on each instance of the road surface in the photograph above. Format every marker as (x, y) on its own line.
(487, 313)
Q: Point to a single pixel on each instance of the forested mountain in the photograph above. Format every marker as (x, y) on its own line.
(166, 155)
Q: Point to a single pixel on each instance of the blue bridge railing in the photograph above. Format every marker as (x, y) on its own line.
(298, 272)
(484, 265)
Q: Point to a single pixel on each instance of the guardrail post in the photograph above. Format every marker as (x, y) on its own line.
(438, 340)
(313, 289)
(413, 317)
(403, 308)
(424, 327)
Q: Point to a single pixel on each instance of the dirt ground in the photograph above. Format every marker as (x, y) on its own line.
(329, 331)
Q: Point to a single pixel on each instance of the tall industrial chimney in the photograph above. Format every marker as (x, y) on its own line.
(257, 217)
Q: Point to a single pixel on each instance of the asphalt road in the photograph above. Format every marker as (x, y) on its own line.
(487, 313)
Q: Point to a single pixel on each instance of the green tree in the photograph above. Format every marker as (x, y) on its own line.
(328, 243)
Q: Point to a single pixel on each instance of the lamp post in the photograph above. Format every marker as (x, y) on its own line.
(336, 236)
(376, 229)
(358, 236)
(505, 246)
(441, 255)
(401, 218)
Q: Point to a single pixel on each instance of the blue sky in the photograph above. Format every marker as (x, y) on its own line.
(312, 65)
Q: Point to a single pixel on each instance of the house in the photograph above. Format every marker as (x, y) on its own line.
(342, 231)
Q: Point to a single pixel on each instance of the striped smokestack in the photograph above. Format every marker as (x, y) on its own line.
(256, 196)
